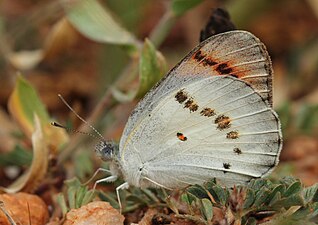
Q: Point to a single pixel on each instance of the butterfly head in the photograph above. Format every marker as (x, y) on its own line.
(106, 150)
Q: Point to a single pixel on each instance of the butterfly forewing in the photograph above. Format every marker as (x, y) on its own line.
(236, 53)
(215, 126)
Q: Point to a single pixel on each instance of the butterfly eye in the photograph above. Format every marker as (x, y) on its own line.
(105, 150)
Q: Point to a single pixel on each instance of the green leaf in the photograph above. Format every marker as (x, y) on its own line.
(71, 197)
(310, 193)
(288, 180)
(24, 103)
(89, 195)
(96, 23)
(207, 209)
(80, 193)
(109, 197)
(179, 7)
(257, 184)
(261, 196)
(152, 67)
(211, 183)
(197, 191)
(151, 196)
(18, 157)
(77, 194)
(74, 182)
(185, 198)
(275, 199)
(293, 200)
(137, 199)
(249, 199)
(72, 187)
(221, 193)
(141, 196)
(61, 201)
(306, 212)
(189, 198)
(161, 194)
(210, 187)
(293, 189)
(277, 189)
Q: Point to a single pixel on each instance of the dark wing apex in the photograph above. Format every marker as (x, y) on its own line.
(236, 53)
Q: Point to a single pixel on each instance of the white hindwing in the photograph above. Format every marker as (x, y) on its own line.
(216, 126)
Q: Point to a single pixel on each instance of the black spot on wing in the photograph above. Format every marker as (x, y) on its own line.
(232, 135)
(208, 112)
(226, 166)
(223, 122)
(181, 96)
(237, 151)
(223, 69)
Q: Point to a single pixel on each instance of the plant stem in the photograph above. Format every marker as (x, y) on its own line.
(160, 32)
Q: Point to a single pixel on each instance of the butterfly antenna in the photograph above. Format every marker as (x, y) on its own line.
(78, 116)
(69, 130)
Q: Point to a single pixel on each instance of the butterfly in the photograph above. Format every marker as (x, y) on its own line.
(210, 117)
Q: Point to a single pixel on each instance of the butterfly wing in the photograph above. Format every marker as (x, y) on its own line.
(198, 132)
(236, 53)
(196, 124)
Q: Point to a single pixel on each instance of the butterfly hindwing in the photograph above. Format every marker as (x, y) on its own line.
(215, 126)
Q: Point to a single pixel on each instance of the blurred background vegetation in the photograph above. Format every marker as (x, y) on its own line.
(91, 53)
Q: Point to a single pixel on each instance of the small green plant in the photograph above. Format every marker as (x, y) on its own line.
(262, 201)
(135, 198)
(281, 202)
(77, 196)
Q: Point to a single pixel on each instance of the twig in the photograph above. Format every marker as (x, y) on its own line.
(3, 209)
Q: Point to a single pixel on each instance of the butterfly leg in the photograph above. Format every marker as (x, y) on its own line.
(106, 179)
(121, 187)
(156, 183)
(96, 172)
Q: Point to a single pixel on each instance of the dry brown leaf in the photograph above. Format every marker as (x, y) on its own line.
(25, 60)
(314, 6)
(30, 180)
(62, 36)
(101, 213)
(22, 207)
(23, 103)
(147, 219)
